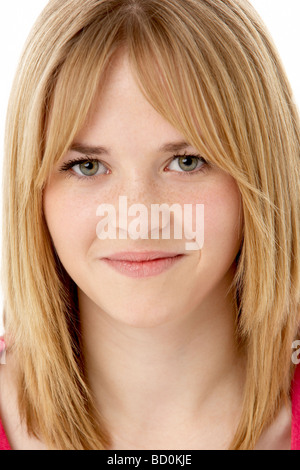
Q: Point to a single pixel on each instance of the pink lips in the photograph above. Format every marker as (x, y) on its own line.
(142, 264)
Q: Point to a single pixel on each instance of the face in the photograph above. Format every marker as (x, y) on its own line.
(123, 152)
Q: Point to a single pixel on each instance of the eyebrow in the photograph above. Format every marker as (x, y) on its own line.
(99, 150)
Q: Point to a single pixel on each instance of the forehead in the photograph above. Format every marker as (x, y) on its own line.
(120, 109)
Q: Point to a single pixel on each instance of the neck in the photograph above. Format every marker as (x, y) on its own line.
(141, 376)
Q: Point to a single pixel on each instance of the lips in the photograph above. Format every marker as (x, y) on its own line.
(140, 256)
(142, 264)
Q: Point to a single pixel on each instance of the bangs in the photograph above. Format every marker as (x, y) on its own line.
(74, 85)
(180, 74)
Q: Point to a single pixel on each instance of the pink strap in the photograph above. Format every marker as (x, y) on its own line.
(295, 394)
(4, 444)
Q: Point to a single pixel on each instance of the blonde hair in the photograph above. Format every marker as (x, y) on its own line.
(210, 68)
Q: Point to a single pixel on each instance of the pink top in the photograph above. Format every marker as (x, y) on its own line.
(295, 395)
(4, 445)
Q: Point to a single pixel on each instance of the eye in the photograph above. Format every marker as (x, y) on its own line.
(187, 163)
(88, 168)
(83, 168)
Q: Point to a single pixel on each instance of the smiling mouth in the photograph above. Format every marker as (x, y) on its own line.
(146, 266)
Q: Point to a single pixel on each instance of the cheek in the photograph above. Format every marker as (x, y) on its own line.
(223, 220)
(71, 220)
(71, 217)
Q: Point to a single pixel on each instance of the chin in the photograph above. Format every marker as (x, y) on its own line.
(142, 319)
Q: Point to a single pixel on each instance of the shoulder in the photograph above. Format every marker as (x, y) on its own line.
(277, 436)
(14, 430)
(284, 431)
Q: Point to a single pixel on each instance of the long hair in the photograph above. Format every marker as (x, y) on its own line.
(210, 68)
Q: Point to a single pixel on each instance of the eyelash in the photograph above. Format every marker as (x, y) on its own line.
(67, 166)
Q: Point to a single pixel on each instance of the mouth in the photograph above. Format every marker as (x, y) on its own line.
(142, 264)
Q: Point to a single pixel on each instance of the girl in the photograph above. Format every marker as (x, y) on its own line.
(139, 342)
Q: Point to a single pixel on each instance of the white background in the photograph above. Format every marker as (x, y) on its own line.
(17, 17)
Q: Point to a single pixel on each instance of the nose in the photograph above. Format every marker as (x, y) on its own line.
(141, 186)
(139, 193)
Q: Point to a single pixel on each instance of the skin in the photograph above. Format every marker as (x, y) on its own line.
(160, 352)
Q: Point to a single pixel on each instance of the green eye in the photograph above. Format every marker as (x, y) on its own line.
(84, 168)
(188, 162)
(89, 168)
